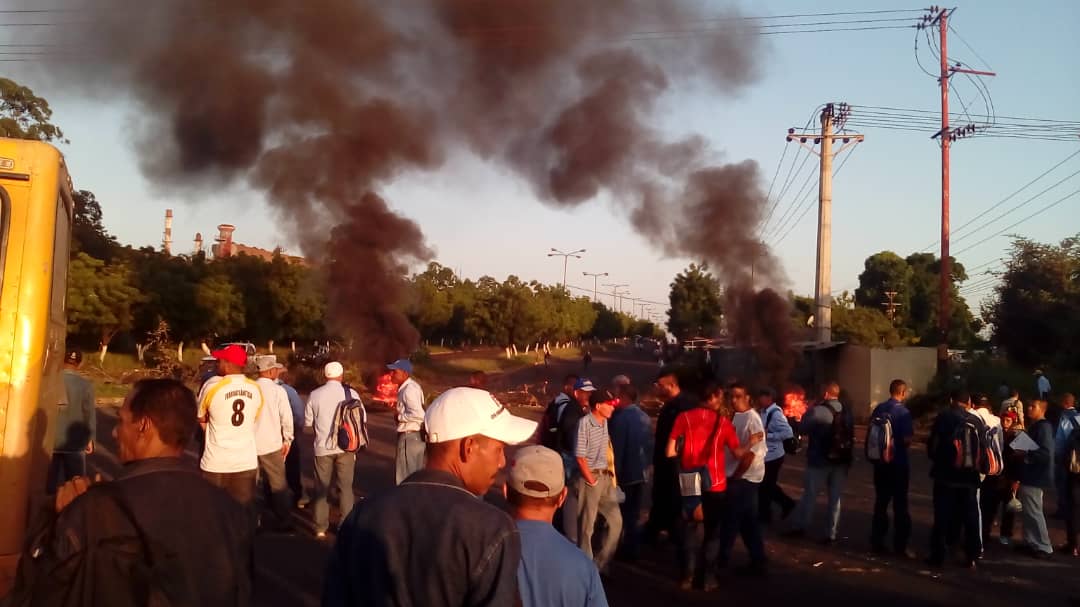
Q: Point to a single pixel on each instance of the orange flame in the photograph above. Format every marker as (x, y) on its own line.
(795, 403)
(385, 390)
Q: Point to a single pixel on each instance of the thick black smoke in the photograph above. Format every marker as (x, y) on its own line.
(321, 103)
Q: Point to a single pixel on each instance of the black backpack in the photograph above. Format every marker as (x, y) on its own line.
(841, 437)
(791, 445)
(549, 425)
(120, 565)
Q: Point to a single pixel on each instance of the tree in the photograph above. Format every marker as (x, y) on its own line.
(863, 326)
(885, 272)
(695, 303)
(221, 306)
(432, 305)
(1035, 311)
(101, 299)
(88, 234)
(24, 115)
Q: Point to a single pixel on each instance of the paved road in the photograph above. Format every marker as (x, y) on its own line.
(289, 567)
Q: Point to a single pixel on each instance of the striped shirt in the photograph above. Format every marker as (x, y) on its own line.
(592, 442)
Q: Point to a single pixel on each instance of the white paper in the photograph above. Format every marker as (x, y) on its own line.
(1023, 442)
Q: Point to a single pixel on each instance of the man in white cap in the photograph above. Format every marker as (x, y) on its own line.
(430, 541)
(410, 414)
(274, 436)
(331, 462)
(553, 572)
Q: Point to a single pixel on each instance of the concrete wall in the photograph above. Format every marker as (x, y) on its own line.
(864, 373)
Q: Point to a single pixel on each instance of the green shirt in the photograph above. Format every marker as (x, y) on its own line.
(76, 421)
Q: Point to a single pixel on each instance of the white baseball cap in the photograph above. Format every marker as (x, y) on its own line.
(461, 412)
(333, 369)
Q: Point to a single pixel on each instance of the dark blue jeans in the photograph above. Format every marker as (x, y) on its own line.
(742, 519)
(955, 508)
(631, 513)
(891, 486)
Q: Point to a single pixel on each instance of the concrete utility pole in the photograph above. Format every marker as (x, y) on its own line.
(891, 306)
(938, 16)
(832, 116)
(594, 277)
(566, 257)
(615, 295)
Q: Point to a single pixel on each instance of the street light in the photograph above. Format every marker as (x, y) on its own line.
(566, 257)
(594, 277)
(615, 293)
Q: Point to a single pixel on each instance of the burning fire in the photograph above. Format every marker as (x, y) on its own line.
(386, 390)
(795, 403)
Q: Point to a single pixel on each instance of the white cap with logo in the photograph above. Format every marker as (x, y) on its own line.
(461, 412)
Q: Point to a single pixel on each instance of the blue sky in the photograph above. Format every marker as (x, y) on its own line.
(481, 220)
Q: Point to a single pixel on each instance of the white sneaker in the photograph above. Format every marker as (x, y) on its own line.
(1004, 541)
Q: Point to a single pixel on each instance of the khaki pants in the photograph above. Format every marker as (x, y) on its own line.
(598, 499)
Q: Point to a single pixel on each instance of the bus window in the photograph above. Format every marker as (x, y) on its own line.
(5, 211)
(61, 244)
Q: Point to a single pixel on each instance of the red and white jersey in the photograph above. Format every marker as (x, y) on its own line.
(229, 405)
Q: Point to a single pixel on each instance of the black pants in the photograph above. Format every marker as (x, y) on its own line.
(770, 492)
(292, 473)
(714, 507)
(992, 499)
(63, 467)
(666, 502)
(891, 486)
(742, 521)
(631, 513)
(1072, 510)
(954, 508)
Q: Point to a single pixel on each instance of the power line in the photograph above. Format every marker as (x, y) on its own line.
(768, 195)
(808, 207)
(1016, 208)
(1036, 213)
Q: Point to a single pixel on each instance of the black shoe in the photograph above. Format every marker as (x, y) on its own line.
(935, 563)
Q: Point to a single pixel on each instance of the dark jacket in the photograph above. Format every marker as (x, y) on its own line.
(568, 423)
(817, 425)
(194, 531)
(942, 452)
(665, 421)
(631, 436)
(1038, 470)
(426, 543)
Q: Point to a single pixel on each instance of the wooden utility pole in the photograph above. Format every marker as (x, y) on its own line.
(939, 17)
(831, 116)
(891, 305)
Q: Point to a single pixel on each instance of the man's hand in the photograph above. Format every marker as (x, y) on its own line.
(90, 448)
(285, 450)
(73, 489)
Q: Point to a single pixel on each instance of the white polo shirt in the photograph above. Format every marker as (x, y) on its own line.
(274, 427)
(410, 406)
(230, 406)
(747, 424)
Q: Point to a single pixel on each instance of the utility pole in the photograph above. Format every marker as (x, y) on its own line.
(891, 306)
(615, 295)
(938, 16)
(566, 257)
(832, 116)
(594, 277)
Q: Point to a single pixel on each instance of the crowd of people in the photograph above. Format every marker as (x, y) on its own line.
(711, 465)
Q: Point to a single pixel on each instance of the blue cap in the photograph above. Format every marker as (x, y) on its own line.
(401, 364)
(584, 385)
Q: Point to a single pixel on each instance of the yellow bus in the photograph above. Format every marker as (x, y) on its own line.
(35, 232)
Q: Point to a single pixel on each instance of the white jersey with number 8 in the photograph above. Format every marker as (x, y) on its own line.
(229, 405)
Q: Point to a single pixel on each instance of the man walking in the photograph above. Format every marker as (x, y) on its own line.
(830, 427)
(274, 437)
(744, 475)
(192, 531)
(229, 404)
(429, 541)
(666, 508)
(777, 430)
(955, 442)
(1069, 485)
(552, 572)
(631, 436)
(1037, 476)
(596, 483)
(1042, 385)
(410, 414)
(890, 432)
(331, 462)
(76, 425)
(292, 458)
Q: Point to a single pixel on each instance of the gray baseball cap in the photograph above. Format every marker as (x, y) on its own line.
(537, 471)
(267, 362)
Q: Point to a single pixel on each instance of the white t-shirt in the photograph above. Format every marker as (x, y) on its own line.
(747, 424)
(230, 406)
(275, 424)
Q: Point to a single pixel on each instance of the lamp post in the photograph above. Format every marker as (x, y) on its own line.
(615, 294)
(594, 277)
(566, 257)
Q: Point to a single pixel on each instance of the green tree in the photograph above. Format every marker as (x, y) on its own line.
(297, 299)
(221, 306)
(695, 303)
(101, 299)
(432, 306)
(24, 115)
(865, 327)
(88, 234)
(1035, 311)
(883, 273)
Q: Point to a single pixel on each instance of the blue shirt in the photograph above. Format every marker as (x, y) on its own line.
(553, 572)
(592, 442)
(631, 438)
(777, 430)
(1064, 429)
(902, 428)
(817, 425)
(295, 403)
